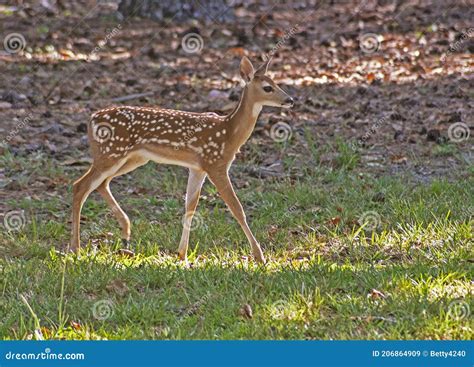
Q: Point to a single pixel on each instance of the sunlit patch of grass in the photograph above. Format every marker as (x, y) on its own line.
(312, 294)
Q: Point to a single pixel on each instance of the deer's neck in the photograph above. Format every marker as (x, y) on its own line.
(243, 119)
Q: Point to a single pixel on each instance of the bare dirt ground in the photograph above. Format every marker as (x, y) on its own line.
(393, 96)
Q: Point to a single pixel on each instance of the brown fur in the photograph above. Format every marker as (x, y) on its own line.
(124, 138)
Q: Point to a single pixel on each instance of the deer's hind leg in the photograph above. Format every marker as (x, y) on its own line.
(82, 188)
(104, 191)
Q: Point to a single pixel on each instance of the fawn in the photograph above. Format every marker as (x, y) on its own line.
(124, 138)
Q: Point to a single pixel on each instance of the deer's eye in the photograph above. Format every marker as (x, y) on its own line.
(268, 89)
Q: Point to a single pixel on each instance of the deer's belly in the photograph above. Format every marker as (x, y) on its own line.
(168, 159)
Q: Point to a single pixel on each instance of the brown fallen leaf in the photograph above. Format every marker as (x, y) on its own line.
(117, 286)
(399, 159)
(236, 51)
(45, 332)
(376, 294)
(334, 221)
(126, 252)
(246, 311)
(76, 325)
(370, 77)
(272, 230)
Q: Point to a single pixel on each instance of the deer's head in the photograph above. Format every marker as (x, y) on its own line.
(261, 88)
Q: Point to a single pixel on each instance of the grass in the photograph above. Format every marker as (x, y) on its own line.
(351, 256)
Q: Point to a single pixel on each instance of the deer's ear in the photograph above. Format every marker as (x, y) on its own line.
(262, 70)
(247, 71)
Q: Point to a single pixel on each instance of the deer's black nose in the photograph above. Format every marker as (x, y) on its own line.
(289, 101)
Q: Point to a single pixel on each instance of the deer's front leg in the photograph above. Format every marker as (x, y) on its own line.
(224, 186)
(195, 180)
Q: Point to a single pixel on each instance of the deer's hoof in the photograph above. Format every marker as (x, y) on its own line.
(73, 249)
(259, 258)
(182, 256)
